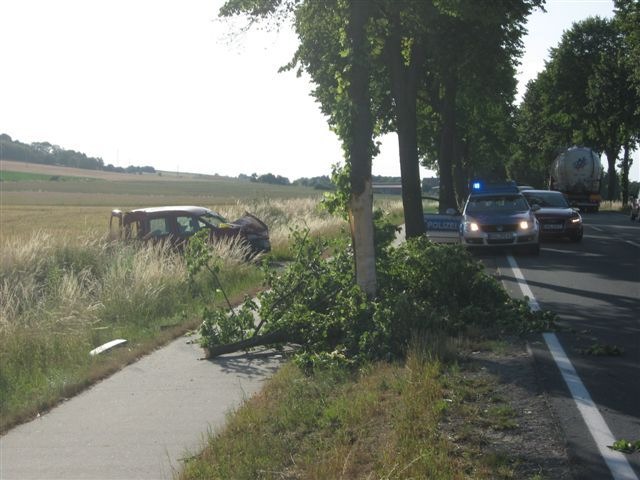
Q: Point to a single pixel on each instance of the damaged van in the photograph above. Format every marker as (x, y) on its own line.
(177, 224)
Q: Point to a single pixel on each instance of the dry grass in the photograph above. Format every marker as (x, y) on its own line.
(74, 223)
(32, 236)
(50, 283)
(30, 279)
(611, 205)
(60, 299)
(283, 215)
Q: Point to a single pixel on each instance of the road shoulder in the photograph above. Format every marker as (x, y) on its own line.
(514, 419)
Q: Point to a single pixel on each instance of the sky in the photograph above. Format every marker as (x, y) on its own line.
(166, 83)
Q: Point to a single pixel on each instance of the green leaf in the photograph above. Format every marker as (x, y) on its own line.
(625, 446)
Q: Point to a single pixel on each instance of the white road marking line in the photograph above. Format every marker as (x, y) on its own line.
(626, 241)
(597, 237)
(526, 291)
(573, 252)
(616, 461)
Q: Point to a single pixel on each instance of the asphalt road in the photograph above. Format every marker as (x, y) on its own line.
(594, 287)
(140, 422)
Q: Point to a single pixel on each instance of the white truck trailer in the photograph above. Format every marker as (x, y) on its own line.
(577, 172)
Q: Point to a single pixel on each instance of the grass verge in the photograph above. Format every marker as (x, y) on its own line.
(333, 425)
(437, 415)
(60, 300)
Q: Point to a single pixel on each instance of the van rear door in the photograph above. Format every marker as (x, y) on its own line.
(115, 224)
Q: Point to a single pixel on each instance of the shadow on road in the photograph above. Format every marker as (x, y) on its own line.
(251, 364)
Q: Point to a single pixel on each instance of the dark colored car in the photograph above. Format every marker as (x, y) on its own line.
(498, 215)
(177, 224)
(555, 215)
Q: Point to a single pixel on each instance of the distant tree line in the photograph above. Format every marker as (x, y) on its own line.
(323, 182)
(49, 154)
(266, 178)
(129, 169)
(319, 183)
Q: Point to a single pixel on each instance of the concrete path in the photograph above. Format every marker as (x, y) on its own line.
(138, 423)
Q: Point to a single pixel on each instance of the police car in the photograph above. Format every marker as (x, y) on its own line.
(498, 215)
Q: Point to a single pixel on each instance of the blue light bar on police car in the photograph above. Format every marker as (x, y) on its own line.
(478, 186)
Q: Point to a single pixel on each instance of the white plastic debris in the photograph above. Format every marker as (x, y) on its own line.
(107, 346)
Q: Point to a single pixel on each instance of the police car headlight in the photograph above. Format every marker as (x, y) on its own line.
(524, 225)
(471, 227)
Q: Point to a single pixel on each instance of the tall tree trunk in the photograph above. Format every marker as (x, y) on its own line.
(627, 161)
(404, 86)
(612, 155)
(360, 149)
(410, 169)
(460, 180)
(445, 159)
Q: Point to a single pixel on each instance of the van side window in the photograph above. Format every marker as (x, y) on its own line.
(132, 230)
(159, 227)
(187, 225)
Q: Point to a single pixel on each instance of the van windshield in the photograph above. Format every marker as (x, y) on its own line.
(212, 219)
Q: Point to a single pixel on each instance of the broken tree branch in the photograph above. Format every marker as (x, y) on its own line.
(279, 336)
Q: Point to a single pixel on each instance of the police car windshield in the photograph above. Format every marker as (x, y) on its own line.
(496, 203)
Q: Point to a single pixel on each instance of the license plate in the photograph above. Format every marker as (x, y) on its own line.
(552, 226)
(500, 236)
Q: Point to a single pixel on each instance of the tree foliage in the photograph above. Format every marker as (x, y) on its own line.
(381, 66)
(449, 101)
(315, 306)
(584, 96)
(470, 90)
(628, 19)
